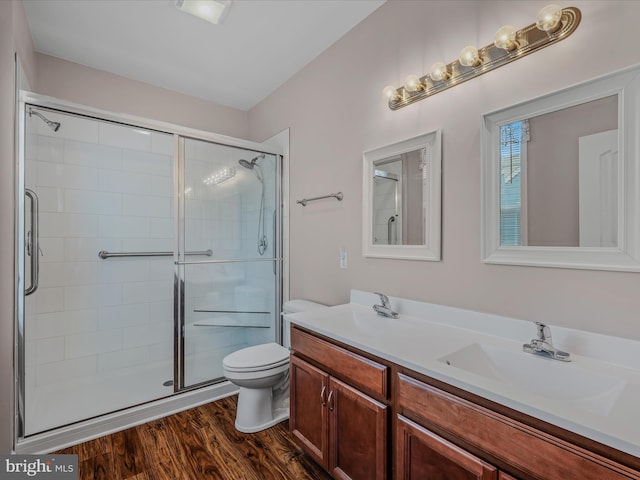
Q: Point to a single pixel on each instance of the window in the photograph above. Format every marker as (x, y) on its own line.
(512, 185)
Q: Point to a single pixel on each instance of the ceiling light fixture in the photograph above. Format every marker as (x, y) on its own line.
(213, 11)
(552, 25)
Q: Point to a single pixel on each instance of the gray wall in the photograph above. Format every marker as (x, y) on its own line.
(552, 169)
(6, 214)
(14, 40)
(345, 114)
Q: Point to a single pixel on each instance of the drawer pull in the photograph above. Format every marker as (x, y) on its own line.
(330, 401)
(322, 397)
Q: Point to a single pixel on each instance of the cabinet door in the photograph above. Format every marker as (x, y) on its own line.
(505, 476)
(308, 417)
(357, 434)
(422, 454)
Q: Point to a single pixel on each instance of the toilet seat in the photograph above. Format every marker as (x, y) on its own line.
(257, 358)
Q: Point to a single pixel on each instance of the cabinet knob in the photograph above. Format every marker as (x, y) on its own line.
(322, 398)
(330, 401)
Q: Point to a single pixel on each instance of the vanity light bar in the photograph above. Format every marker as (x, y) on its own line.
(553, 24)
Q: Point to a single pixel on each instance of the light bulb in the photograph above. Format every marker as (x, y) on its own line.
(548, 19)
(412, 83)
(469, 57)
(506, 38)
(390, 92)
(438, 71)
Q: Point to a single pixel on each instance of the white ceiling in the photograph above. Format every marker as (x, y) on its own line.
(260, 45)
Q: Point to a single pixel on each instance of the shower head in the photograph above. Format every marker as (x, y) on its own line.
(246, 164)
(250, 164)
(55, 126)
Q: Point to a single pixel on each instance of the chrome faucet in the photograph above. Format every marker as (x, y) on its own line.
(543, 345)
(384, 309)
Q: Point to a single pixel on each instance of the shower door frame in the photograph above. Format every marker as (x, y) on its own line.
(179, 134)
(180, 262)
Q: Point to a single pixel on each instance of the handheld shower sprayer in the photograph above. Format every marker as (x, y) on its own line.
(257, 170)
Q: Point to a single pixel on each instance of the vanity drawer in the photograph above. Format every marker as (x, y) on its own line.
(368, 375)
(533, 452)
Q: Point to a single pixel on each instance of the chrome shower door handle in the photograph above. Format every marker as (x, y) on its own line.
(33, 241)
(275, 218)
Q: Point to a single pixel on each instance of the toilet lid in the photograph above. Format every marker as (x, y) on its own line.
(258, 357)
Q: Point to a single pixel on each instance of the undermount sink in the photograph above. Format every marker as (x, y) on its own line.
(591, 391)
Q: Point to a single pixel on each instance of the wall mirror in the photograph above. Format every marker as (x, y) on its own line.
(401, 199)
(560, 183)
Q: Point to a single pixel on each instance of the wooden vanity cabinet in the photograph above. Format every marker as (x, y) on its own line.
(337, 423)
(308, 420)
(421, 454)
(341, 406)
(519, 448)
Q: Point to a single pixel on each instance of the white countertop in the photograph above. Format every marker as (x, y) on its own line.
(426, 335)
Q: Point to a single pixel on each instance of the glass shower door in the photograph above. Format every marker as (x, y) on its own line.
(231, 299)
(97, 329)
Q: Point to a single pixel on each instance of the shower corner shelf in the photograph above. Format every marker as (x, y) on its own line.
(225, 321)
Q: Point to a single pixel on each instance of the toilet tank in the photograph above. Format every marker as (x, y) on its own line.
(294, 306)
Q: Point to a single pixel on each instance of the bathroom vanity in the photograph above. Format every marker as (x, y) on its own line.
(436, 394)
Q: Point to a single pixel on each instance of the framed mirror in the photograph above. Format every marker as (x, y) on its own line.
(402, 199)
(560, 184)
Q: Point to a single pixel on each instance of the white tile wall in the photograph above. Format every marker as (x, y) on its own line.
(55, 372)
(151, 291)
(91, 343)
(121, 316)
(68, 225)
(101, 187)
(123, 359)
(64, 323)
(109, 187)
(144, 162)
(146, 206)
(124, 182)
(47, 149)
(92, 155)
(125, 137)
(86, 201)
(49, 350)
(123, 227)
(54, 248)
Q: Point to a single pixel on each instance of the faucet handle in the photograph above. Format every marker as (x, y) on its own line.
(544, 332)
(383, 298)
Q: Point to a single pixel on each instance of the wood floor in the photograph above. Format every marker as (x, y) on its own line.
(196, 444)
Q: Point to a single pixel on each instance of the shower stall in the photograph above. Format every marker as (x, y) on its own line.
(146, 253)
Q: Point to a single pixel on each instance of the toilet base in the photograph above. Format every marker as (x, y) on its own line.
(280, 415)
(256, 410)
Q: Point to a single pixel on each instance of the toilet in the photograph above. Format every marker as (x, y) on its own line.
(262, 374)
